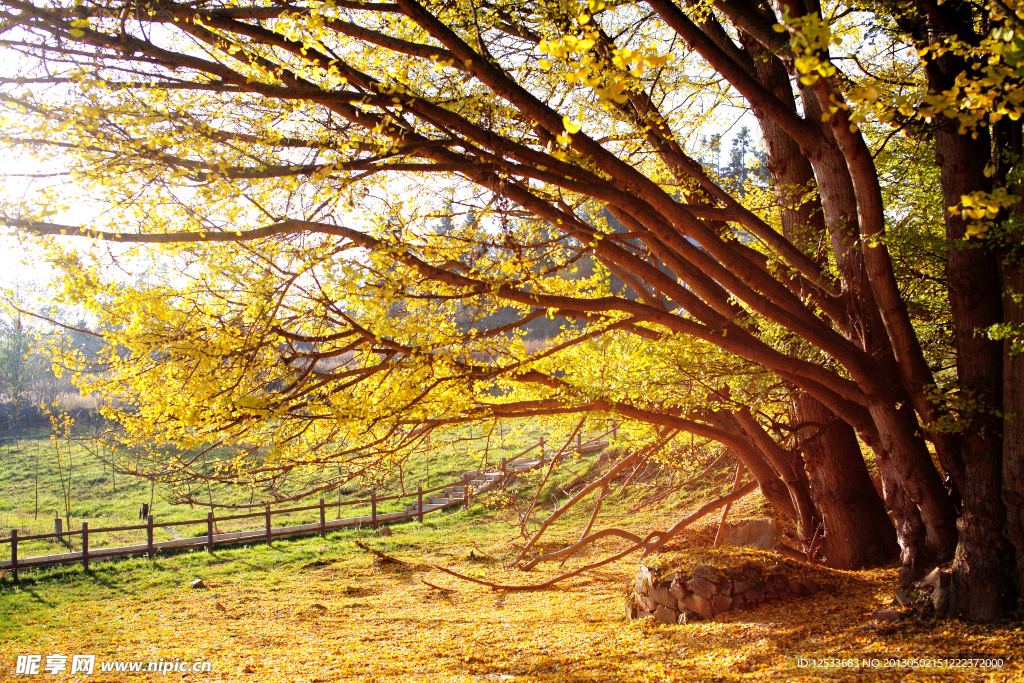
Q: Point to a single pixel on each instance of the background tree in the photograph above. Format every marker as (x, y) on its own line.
(290, 159)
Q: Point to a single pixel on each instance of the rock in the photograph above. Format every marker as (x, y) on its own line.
(721, 603)
(866, 627)
(708, 573)
(940, 582)
(702, 587)
(198, 583)
(669, 616)
(901, 598)
(931, 579)
(220, 607)
(699, 605)
(776, 583)
(662, 596)
(247, 669)
(643, 581)
(383, 531)
(758, 533)
(885, 615)
(753, 570)
(710, 591)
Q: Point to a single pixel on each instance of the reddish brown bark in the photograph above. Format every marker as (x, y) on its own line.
(806, 226)
(1013, 428)
(858, 531)
(982, 578)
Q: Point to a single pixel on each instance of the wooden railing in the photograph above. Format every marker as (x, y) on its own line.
(478, 480)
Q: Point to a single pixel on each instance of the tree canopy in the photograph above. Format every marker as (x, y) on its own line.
(359, 214)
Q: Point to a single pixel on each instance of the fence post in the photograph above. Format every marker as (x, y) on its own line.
(419, 502)
(14, 553)
(323, 519)
(373, 508)
(149, 536)
(268, 525)
(58, 527)
(542, 449)
(615, 430)
(579, 442)
(85, 545)
(209, 531)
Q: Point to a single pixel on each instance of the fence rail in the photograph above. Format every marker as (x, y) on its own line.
(455, 493)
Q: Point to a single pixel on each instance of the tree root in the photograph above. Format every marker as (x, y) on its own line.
(381, 557)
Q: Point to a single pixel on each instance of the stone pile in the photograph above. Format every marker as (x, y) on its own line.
(676, 597)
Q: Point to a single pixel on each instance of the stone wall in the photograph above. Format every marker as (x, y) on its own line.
(678, 596)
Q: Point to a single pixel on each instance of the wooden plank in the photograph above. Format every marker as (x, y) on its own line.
(38, 537)
(268, 525)
(323, 519)
(14, 553)
(220, 539)
(149, 536)
(419, 502)
(85, 545)
(209, 531)
(150, 546)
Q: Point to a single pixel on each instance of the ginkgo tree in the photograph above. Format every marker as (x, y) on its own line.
(288, 164)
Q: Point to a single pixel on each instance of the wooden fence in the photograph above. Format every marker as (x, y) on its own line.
(455, 493)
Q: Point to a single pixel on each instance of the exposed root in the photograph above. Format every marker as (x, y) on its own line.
(382, 558)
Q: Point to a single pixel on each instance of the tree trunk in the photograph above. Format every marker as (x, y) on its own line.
(775, 491)
(858, 531)
(982, 578)
(1013, 428)
(789, 468)
(925, 520)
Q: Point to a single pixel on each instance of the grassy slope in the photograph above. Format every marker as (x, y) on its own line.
(316, 610)
(103, 498)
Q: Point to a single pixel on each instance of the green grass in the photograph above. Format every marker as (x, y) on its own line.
(32, 486)
(104, 498)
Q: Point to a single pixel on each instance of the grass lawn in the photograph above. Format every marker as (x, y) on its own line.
(322, 610)
(33, 485)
